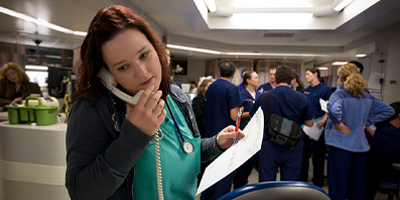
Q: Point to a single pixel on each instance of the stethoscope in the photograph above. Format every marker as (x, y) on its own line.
(186, 145)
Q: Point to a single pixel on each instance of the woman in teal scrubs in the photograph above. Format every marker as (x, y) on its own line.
(122, 148)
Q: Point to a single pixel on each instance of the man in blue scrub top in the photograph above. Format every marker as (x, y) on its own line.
(272, 81)
(222, 106)
(290, 104)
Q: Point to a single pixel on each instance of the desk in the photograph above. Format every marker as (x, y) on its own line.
(3, 116)
(32, 162)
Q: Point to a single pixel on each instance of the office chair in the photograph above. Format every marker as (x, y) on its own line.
(389, 188)
(277, 190)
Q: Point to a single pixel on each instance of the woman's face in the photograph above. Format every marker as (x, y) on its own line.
(310, 76)
(12, 76)
(133, 61)
(253, 81)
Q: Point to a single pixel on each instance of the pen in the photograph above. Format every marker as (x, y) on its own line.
(239, 116)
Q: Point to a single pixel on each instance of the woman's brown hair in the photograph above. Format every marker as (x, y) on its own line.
(107, 23)
(17, 69)
(202, 88)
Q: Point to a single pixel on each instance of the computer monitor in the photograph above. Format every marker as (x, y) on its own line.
(58, 79)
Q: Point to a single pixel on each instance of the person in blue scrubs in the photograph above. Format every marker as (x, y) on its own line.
(222, 106)
(241, 86)
(272, 81)
(290, 104)
(249, 95)
(350, 110)
(317, 149)
(387, 140)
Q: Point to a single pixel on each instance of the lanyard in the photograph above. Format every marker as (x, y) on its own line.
(176, 123)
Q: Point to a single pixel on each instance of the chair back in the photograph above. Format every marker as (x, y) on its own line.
(277, 190)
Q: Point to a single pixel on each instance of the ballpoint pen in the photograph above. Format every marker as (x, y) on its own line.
(239, 116)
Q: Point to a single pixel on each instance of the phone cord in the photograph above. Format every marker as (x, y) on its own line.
(158, 164)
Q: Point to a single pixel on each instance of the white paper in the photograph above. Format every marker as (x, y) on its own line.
(314, 132)
(374, 81)
(237, 154)
(324, 105)
(185, 87)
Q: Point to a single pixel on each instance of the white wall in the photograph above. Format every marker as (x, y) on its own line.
(391, 91)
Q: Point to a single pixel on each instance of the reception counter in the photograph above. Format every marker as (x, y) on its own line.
(32, 162)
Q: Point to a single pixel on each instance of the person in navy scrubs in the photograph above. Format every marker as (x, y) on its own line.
(317, 149)
(290, 104)
(222, 106)
(272, 81)
(241, 86)
(249, 96)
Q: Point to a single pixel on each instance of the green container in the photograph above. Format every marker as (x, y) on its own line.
(42, 115)
(13, 114)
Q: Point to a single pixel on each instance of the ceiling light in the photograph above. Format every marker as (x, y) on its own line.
(201, 50)
(36, 67)
(322, 68)
(211, 5)
(40, 22)
(339, 63)
(271, 4)
(361, 55)
(342, 5)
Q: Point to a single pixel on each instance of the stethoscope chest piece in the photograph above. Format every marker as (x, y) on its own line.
(187, 147)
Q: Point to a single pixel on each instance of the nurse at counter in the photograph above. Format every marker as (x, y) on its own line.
(15, 85)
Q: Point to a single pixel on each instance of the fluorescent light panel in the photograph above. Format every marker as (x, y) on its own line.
(211, 5)
(361, 55)
(339, 63)
(342, 5)
(208, 51)
(271, 4)
(40, 22)
(36, 67)
(322, 68)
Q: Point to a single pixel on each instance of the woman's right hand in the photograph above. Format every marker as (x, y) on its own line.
(147, 115)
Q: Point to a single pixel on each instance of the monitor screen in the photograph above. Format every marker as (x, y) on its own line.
(58, 79)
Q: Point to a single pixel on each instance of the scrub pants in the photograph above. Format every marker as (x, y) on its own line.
(346, 174)
(317, 149)
(273, 155)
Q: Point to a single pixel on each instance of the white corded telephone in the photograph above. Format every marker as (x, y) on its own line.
(111, 84)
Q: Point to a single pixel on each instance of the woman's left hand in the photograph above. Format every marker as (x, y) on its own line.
(226, 137)
(342, 128)
(320, 124)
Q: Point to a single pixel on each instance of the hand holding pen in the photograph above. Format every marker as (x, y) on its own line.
(239, 116)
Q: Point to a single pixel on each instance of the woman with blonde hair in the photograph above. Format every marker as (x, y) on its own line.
(350, 110)
(15, 85)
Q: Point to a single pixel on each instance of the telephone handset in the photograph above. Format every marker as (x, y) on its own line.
(111, 84)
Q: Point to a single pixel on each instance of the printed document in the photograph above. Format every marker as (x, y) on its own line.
(237, 154)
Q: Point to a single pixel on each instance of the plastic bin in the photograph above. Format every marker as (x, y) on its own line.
(42, 115)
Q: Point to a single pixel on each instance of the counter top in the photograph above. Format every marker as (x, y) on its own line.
(3, 116)
(52, 127)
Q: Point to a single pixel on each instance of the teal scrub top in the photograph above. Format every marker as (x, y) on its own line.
(179, 170)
